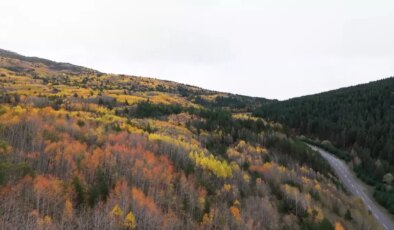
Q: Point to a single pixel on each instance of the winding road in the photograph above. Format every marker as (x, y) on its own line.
(355, 187)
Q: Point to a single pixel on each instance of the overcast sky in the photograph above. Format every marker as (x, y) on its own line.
(267, 48)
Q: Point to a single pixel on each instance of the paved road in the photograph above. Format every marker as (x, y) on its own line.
(355, 187)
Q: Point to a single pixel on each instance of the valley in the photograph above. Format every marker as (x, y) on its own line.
(81, 149)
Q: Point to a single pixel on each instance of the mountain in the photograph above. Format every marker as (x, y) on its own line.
(49, 74)
(35, 62)
(81, 149)
(358, 119)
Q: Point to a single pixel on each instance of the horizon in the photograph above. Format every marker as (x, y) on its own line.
(128, 74)
(269, 49)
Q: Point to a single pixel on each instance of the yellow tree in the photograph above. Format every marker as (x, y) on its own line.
(129, 221)
(117, 211)
(117, 215)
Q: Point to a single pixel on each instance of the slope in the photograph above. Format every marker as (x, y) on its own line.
(81, 149)
(357, 119)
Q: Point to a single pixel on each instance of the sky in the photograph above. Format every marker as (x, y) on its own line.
(276, 49)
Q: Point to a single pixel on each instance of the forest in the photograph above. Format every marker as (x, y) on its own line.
(80, 149)
(356, 123)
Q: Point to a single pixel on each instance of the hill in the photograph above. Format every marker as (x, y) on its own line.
(358, 119)
(80, 149)
(43, 77)
(36, 62)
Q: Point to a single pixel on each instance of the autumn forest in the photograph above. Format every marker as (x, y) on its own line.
(81, 149)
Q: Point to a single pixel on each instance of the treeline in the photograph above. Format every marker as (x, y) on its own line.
(357, 119)
(236, 103)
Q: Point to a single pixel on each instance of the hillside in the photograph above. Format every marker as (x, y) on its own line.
(80, 149)
(41, 77)
(358, 119)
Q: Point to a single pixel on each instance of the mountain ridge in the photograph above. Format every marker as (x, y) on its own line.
(14, 55)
